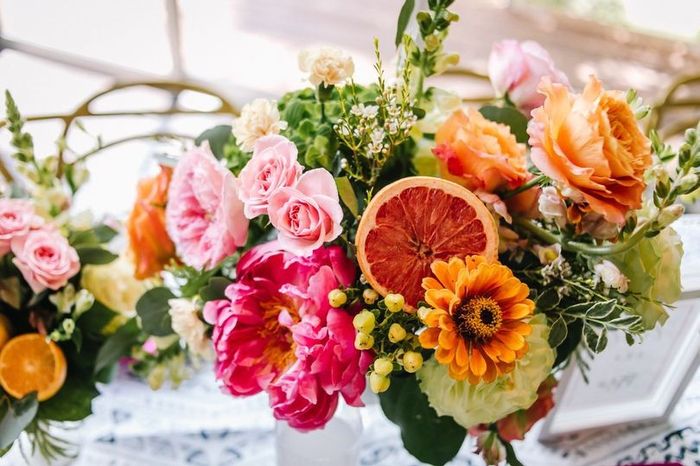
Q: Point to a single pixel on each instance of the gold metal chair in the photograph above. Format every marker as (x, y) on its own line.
(672, 103)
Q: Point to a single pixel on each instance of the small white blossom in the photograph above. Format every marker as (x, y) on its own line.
(551, 206)
(326, 65)
(610, 275)
(64, 299)
(187, 324)
(258, 118)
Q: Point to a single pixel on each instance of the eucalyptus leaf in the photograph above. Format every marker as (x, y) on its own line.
(404, 17)
(73, 402)
(154, 311)
(15, 416)
(215, 289)
(347, 194)
(93, 255)
(217, 137)
(508, 116)
(117, 345)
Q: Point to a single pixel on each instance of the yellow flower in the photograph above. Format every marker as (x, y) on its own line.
(114, 285)
(478, 322)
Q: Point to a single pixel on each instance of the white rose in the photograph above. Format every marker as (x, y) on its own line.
(611, 276)
(187, 324)
(327, 65)
(258, 118)
(551, 206)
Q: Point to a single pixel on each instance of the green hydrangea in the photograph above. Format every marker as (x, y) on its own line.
(488, 402)
(653, 268)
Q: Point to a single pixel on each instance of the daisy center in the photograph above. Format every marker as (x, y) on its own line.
(478, 318)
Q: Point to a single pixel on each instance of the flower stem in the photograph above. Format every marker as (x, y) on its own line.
(530, 184)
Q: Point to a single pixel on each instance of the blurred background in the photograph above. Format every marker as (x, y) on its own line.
(55, 55)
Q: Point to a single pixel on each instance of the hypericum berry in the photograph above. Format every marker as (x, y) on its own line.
(378, 383)
(364, 321)
(396, 333)
(336, 298)
(364, 341)
(370, 296)
(383, 366)
(412, 361)
(394, 302)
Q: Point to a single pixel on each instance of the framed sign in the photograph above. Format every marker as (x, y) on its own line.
(642, 382)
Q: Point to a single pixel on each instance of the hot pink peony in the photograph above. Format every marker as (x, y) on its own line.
(45, 259)
(273, 166)
(307, 215)
(17, 218)
(277, 332)
(204, 215)
(516, 68)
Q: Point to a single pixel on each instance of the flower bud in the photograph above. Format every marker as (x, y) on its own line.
(378, 383)
(364, 321)
(394, 302)
(364, 341)
(491, 448)
(337, 298)
(412, 361)
(396, 333)
(370, 296)
(383, 366)
(68, 326)
(688, 182)
(670, 214)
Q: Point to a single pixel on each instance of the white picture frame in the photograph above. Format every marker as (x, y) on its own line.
(643, 382)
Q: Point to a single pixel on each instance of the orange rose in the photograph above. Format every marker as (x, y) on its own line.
(149, 243)
(480, 154)
(591, 143)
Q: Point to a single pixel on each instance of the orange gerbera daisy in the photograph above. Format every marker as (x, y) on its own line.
(478, 321)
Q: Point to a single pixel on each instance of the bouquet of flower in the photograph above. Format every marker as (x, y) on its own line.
(52, 330)
(456, 258)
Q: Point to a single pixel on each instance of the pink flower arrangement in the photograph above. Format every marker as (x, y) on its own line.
(204, 215)
(45, 259)
(273, 166)
(516, 68)
(276, 331)
(309, 214)
(17, 218)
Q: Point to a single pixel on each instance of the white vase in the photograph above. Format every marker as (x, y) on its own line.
(337, 444)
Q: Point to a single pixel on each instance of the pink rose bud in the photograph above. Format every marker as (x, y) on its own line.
(516, 68)
(307, 215)
(45, 259)
(273, 166)
(17, 218)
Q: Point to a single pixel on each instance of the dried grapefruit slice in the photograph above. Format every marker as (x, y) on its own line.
(415, 221)
(31, 363)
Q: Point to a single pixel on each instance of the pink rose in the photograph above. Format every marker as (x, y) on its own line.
(17, 218)
(45, 259)
(273, 166)
(204, 215)
(516, 68)
(307, 215)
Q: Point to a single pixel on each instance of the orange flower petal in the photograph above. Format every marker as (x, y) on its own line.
(429, 338)
(518, 311)
(448, 339)
(477, 363)
(444, 356)
(461, 355)
(439, 299)
(512, 340)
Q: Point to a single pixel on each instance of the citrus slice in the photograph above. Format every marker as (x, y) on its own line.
(415, 221)
(30, 363)
(5, 330)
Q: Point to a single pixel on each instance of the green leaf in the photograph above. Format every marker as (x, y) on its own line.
(91, 255)
(596, 341)
(430, 438)
(574, 333)
(347, 194)
(73, 402)
(601, 310)
(215, 289)
(15, 416)
(508, 116)
(511, 458)
(153, 309)
(404, 17)
(217, 137)
(294, 112)
(93, 237)
(117, 345)
(558, 333)
(95, 319)
(548, 299)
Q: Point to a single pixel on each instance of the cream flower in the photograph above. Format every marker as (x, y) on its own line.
(326, 65)
(551, 206)
(470, 405)
(611, 276)
(114, 285)
(258, 118)
(187, 324)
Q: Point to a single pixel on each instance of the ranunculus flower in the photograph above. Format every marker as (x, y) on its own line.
(258, 119)
(307, 215)
(481, 155)
(149, 243)
(488, 402)
(326, 65)
(45, 259)
(516, 68)
(273, 166)
(204, 215)
(17, 218)
(591, 144)
(277, 332)
(114, 285)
